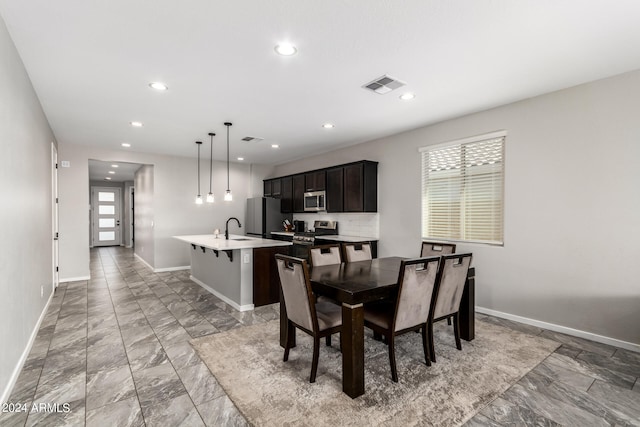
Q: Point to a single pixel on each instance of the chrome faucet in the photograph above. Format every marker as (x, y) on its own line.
(226, 226)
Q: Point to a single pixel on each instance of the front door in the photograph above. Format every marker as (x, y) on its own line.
(105, 217)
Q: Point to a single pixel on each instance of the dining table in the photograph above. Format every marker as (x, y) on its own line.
(354, 284)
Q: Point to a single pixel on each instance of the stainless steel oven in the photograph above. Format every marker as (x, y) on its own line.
(315, 201)
(303, 240)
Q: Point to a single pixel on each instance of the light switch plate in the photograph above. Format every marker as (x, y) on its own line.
(247, 258)
(65, 164)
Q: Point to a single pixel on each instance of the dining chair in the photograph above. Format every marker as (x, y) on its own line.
(437, 248)
(325, 255)
(318, 319)
(451, 280)
(411, 310)
(356, 251)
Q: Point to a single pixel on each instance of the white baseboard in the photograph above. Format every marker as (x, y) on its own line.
(563, 329)
(6, 393)
(246, 307)
(161, 270)
(74, 279)
(180, 268)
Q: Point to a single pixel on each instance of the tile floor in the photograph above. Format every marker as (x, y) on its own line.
(115, 348)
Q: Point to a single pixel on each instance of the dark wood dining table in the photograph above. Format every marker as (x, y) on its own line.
(354, 284)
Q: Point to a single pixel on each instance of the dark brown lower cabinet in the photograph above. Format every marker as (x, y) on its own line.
(266, 282)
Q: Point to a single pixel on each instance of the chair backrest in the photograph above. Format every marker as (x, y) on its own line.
(437, 248)
(452, 277)
(356, 251)
(296, 290)
(417, 282)
(325, 255)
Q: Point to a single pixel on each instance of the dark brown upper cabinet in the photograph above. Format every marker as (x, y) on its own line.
(268, 185)
(298, 193)
(286, 196)
(315, 181)
(351, 187)
(335, 190)
(361, 187)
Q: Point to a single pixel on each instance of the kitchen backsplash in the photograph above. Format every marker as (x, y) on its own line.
(349, 224)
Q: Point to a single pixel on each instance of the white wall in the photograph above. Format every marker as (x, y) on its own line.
(572, 204)
(144, 240)
(25, 173)
(173, 205)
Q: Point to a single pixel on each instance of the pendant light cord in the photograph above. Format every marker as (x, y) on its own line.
(227, 124)
(199, 143)
(211, 163)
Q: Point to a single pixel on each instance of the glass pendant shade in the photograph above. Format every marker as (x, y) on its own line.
(210, 198)
(198, 199)
(227, 196)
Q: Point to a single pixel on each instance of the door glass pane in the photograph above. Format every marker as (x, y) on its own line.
(106, 196)
(106, 209)
(107, 235)
(106, 222)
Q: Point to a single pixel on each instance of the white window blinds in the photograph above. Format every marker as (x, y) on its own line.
(462, 190)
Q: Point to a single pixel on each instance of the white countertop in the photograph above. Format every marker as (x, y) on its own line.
(235, 242)
(284, 233)
(341, 238)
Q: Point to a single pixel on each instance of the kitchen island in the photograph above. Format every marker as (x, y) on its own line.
(240, 271)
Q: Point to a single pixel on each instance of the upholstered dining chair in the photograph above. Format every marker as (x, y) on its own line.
(437, 249)
(411, 311)
(451, 279)
(356, 251)
(321, 319)
(325, 255)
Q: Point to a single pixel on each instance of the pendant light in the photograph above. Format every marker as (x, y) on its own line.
(210, 198)
(199, 197)
(227, 196)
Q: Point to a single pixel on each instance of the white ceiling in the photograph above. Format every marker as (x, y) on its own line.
(90, 63)
(99, 171)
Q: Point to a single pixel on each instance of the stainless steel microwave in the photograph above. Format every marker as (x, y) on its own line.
(315, 201)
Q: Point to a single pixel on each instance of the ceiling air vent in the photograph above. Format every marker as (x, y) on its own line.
(384, 84)
(252, 139)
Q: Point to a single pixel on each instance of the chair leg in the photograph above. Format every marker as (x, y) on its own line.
(328, 340)
(287, 345)
(377, 336)
(425, 345)
(449, 321)
(392, 357)
(314, 363)
(456, 330)
(432, 348)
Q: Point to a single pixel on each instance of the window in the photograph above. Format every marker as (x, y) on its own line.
(463, 191)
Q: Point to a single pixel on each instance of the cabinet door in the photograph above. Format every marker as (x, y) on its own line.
(276, 188)
(267, 188)
(315, 181)
(286, 195)
(298, 193)
(354, 188)
(335, 186)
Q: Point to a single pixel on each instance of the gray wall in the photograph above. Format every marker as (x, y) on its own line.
(25, 172)
(572, 204)
(172, 205)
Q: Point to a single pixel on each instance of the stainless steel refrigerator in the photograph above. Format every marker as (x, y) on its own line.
(263, 216)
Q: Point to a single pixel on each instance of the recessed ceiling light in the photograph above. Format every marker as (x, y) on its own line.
(275, 146)
(158, 86)
(286, 49)
(112, 172)
(108, 178)
(136, 124)
(407, 96)
(328, 126)
(126, 144)
(241, 158)
(114, 166)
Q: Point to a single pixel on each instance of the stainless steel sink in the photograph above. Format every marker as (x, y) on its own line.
(241, 238)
